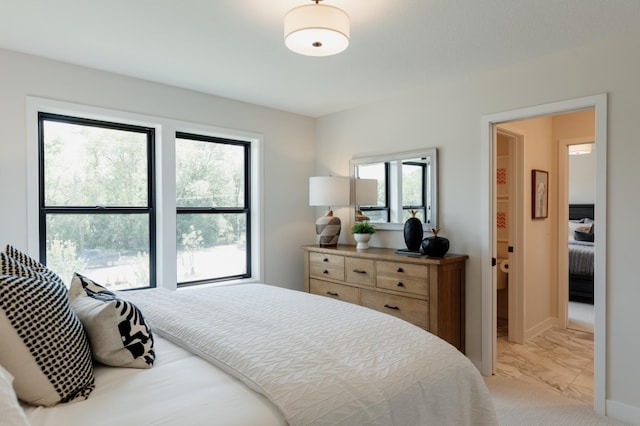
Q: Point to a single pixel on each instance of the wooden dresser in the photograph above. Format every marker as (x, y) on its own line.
(428, 292)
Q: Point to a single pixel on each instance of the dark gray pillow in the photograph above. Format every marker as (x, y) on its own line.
(584, 236)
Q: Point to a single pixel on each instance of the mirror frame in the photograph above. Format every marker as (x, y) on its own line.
(406, 155)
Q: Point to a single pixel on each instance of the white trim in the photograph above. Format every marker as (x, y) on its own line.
(563, 218)
(623, 412)
(599, 103)
(165, 175)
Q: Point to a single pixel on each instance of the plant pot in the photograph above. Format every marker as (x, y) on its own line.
(362, 241)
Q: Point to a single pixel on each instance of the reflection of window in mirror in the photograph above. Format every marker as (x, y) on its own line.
(378, 171)
(411, 177)
(406, 181)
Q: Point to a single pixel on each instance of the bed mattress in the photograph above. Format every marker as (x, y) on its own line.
(180, 389)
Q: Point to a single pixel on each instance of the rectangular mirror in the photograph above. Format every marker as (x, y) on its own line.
(405, 181)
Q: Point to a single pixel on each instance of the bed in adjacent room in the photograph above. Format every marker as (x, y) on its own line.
(248, 354)
(581, 252)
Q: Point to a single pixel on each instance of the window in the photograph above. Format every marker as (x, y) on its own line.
(213, 209)
(379, 171)
(96, 200)
(413, 190)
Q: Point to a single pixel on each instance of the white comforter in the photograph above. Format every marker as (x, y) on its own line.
(323, 361)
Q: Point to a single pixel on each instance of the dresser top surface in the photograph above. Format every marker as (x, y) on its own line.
(386, 254)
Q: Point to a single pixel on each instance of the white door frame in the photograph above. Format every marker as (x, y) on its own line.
(487, 209)
(563, 232)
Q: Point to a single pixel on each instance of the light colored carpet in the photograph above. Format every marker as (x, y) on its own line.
(521, 403)
(581, 316)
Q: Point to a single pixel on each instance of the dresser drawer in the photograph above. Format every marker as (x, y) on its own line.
(407, 285)
(332, 260)
(335, 291)
(403, 270)
(412, 310)
(359, 271)
(323, 271)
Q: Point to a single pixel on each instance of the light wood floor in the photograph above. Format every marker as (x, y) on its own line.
(560, 359)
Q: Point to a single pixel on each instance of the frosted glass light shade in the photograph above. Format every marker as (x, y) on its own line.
(316, 30)
(329, 191)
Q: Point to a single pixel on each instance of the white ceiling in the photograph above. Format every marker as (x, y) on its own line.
(235, 48)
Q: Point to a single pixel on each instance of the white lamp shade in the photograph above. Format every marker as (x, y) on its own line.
(316, 30)
(329, 191)
(366, 192)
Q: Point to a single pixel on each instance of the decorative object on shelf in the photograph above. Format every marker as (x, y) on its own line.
(435, 246)
(316, 30)
(366, 194)
(328, 191)
(539, 194)
(362, 232)
(413, 232)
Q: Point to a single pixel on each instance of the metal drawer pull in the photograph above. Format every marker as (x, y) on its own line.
(399, 270)
(325, 260)
(330, 293)
(325, 272)
(395, 308)
(400, 284)
(359, 271)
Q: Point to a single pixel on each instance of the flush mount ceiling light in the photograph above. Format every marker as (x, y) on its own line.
(316, 30)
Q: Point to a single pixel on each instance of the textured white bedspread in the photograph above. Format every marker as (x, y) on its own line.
(323, 361)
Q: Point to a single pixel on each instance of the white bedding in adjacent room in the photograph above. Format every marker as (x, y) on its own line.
(181, 389)
(323, 361)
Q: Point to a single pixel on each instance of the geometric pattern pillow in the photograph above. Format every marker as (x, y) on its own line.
(32, 264)
(43, 344)
(116, 329)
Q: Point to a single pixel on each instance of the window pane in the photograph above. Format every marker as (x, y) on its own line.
(375, 171)
(93, 166)
(412, 185)
(379, 216)
(209, 174)
(211, 246)
(112, 249)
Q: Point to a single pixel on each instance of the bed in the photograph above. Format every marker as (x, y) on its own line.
(581, 252)
(257, 354)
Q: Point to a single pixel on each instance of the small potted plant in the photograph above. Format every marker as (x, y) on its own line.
(362, 233)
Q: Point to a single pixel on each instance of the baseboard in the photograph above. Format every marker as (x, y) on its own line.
(623, 412)
(539, 328)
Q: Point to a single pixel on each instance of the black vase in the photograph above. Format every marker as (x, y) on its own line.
(413, 233)
(435, 246)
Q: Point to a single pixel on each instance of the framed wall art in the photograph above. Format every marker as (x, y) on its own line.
(539, 194)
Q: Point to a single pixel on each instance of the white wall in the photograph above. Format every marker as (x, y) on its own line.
(448, 116)
(582, 178)
(289, 146)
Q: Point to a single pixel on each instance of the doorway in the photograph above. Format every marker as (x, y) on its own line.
(489, 127)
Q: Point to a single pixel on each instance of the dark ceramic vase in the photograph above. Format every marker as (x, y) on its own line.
(413, 233)
(435, 246)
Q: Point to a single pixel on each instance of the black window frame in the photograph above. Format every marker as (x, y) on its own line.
(149, 209)
(387, 192)
(223, 210)
(423, 193)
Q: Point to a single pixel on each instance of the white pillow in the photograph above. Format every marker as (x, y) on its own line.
(11, 413)
(116, 329)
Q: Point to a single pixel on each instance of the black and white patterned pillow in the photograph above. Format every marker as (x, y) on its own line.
(117, 331)
(44, 345)
(26, 261)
